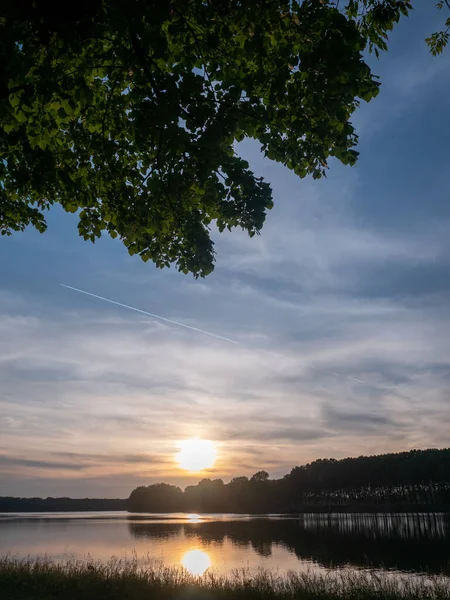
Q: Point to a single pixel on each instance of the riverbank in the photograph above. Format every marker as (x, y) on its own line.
(131, 580)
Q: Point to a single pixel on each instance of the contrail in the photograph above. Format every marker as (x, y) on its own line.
(221, 337)
(149, 314)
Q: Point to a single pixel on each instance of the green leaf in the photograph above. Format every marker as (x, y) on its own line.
(138, 126)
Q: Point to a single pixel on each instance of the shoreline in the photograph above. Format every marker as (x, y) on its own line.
(43, 579)
(307, 510)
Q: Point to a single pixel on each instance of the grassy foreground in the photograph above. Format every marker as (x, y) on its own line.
(131, 580)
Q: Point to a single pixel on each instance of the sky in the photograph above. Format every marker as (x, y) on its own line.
(340, 309)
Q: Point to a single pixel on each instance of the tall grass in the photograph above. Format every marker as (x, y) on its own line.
(132, 579)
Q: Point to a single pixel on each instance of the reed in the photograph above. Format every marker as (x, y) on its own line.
(135, 579)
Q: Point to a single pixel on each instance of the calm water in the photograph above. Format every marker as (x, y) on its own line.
(414, 544)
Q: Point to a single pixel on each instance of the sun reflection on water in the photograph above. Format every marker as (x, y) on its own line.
(194, 518)
(196, 561)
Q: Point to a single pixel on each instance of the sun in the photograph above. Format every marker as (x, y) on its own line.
(196, 454)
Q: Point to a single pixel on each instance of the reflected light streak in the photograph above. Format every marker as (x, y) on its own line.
(196, 561)
(194, 518)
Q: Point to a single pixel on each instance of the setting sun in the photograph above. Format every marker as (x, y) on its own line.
(196, 454)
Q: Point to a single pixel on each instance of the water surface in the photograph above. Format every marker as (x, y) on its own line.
(415, 544)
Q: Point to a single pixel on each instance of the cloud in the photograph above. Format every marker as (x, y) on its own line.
(291, 434)
(10, 461)
(132, 384)
(360, 423)
(340, 308)
(71, 461)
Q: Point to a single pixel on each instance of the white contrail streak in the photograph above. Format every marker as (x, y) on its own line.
(149, 314)
(221, 337)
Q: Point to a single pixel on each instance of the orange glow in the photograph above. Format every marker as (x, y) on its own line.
(196, 454)
(196, 561)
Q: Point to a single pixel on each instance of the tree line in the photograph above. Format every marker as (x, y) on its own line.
(13, 504)
(405, 481)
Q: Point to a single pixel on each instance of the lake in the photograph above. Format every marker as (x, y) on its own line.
(415, 544)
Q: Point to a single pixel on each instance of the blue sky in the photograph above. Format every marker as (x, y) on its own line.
(341, 310)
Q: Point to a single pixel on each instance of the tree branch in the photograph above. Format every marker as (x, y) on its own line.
(105, 114)
(158, 153)
(143, 60)
(197, 43)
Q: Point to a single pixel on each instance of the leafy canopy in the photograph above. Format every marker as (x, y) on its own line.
(127, 112)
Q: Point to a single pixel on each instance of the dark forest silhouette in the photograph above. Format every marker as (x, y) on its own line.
(406, 481)
(413, 481)
(12, 504)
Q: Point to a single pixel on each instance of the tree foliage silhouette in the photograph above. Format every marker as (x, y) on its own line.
(128, 113)
(415, 480)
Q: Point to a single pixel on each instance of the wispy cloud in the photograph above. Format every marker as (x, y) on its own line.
(340, 308)
(121, 383)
